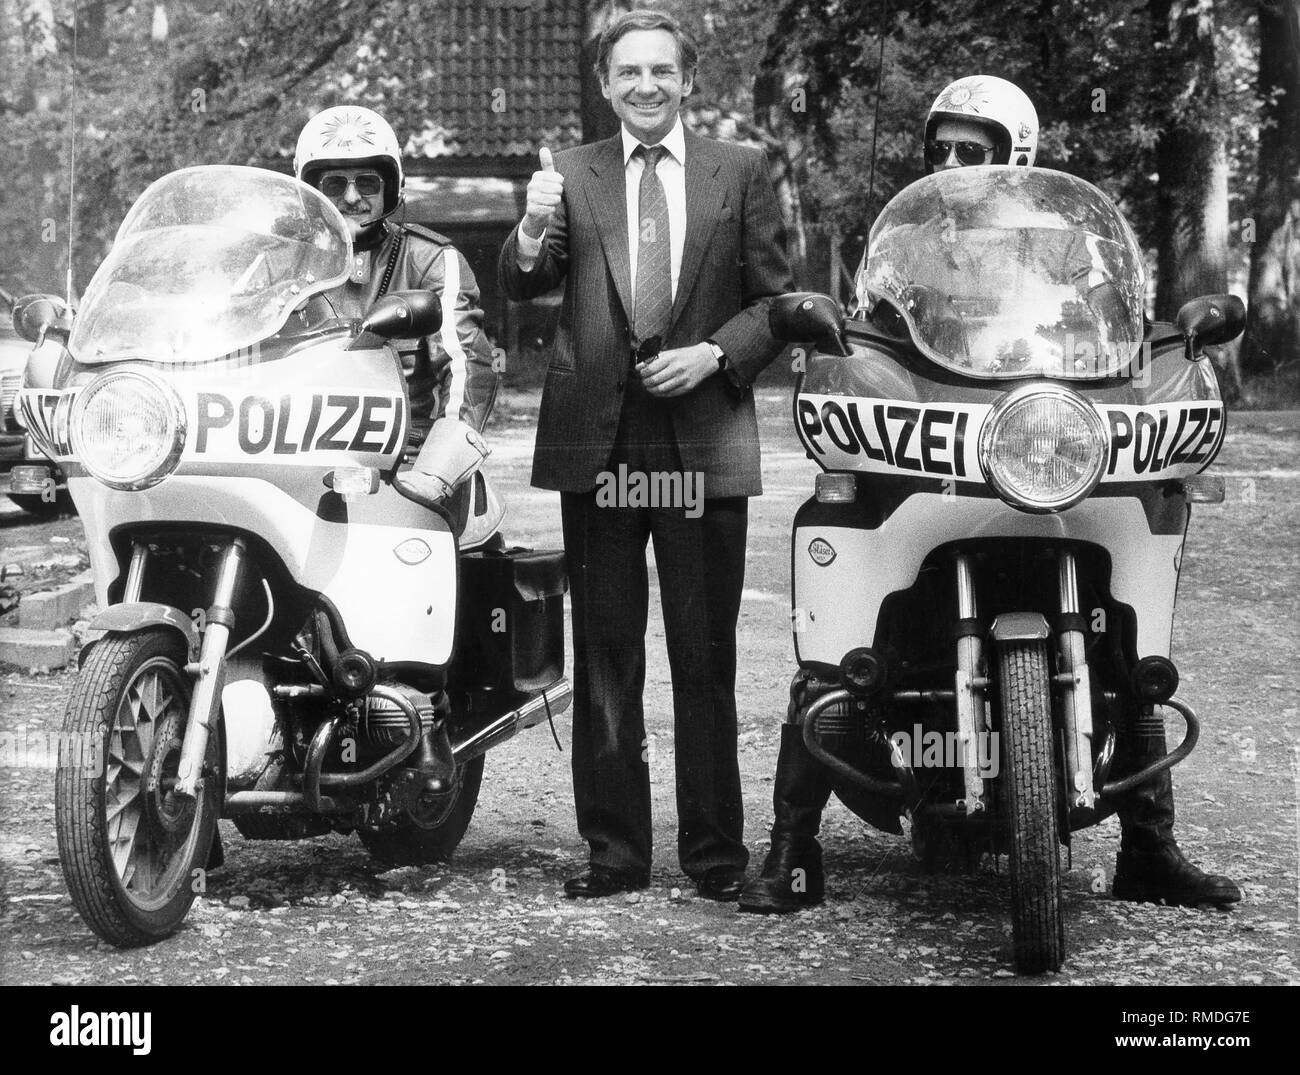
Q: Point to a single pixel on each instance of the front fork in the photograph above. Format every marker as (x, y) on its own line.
(1075, 686)
(971, 685)
(1072, 682)
(207, 670)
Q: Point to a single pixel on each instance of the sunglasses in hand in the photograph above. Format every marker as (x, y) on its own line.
(968, 153)
(647, 349)
(335, 184)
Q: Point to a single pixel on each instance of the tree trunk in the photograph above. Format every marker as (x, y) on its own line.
(1273, 336)
(1192, 162)
(598, 119)
(772, 95)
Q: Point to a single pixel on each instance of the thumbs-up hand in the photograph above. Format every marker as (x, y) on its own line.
(545, 190)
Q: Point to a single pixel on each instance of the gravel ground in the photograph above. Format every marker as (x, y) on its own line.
(319, 911)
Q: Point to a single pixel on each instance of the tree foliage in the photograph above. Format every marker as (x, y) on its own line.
(1129, 93)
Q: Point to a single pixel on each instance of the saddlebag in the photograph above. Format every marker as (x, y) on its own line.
(510, 620)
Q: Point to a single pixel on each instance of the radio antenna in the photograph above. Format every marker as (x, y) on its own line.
(72, 156)
(875, 134)
(880, 86)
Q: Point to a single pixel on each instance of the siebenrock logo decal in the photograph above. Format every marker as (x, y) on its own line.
(821, 551)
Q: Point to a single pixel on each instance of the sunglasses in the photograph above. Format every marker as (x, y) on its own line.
(968, 153)
(335, 184)
(647, 349)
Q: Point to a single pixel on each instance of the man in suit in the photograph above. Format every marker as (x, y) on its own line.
(669, 247)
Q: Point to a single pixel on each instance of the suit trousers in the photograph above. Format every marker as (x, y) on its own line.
(701, 567)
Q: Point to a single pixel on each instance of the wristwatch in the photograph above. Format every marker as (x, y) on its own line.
(719, 354)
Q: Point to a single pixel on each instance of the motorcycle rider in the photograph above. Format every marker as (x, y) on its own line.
(977, 120)
(351, 155)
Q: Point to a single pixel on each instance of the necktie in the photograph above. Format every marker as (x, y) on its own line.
(653, 302)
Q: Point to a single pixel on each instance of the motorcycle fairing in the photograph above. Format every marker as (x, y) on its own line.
(888, 367)
(891, 436)
(879, 496)
(266, 410)
(398, 606)
(874, 411)
(837, 604)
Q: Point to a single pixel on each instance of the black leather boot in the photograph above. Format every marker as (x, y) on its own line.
(792, 873)
(1150, 867)
(434, 759)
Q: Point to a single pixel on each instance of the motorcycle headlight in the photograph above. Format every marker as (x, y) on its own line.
(128, 428)
(1043, 448)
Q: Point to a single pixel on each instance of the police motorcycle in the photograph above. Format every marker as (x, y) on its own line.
(984, 581)
(286, 638)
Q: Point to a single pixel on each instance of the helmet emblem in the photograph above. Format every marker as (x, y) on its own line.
(1025, 131)
(343, 131)
(960, 96)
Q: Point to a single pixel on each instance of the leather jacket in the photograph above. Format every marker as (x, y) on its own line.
(451, 369)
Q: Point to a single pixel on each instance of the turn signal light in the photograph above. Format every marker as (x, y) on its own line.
(836, 488)
(355, 672)
(1155, 679)
(1204, 489)
(862, 671)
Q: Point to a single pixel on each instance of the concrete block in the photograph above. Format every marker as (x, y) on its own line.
(58, 607)
(31, 650)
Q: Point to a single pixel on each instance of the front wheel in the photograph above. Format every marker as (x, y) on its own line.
(131, 850)
(410, 843)
(1029, 779)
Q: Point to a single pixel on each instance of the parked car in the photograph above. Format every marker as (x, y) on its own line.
(16, 447)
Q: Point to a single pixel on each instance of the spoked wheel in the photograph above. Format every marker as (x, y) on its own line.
(434, 829)
(1029, 779)
(129, 846)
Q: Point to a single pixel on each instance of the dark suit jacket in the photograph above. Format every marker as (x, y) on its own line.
(733, 262)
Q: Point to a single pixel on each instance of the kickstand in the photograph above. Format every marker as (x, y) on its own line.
(550, 719)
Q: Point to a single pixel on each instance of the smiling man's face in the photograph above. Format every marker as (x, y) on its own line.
(357, 193)
(645, 83)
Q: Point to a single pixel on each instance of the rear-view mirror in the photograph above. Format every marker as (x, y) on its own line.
(1210, 320)
(404, 315)
(36, 316)
(804, 316)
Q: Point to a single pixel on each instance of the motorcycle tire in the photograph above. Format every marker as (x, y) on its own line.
(132, 857)
(409, 844)
(1029, 783)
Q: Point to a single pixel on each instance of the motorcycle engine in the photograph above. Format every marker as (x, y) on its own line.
(402, 794)
(385, 725)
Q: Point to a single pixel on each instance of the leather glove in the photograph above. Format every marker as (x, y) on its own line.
(450, 453)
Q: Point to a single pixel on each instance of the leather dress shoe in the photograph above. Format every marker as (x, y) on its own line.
(722, 883)
(596, 881)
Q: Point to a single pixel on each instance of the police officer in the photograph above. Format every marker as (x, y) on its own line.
(351, 155)
(977, 120)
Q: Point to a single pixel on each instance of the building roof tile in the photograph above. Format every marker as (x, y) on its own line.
(507, 76)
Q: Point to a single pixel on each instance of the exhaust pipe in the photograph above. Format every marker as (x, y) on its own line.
(554, 699)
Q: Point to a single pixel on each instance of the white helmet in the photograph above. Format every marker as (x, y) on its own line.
(348, 136)
(1001, 106)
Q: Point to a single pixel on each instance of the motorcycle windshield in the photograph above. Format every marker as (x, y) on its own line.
(210, 261)
(1009, 272)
